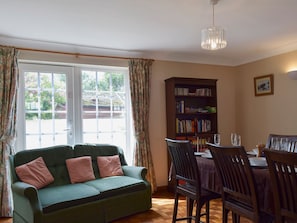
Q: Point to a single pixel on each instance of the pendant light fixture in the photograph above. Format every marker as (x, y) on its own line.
(213, 37)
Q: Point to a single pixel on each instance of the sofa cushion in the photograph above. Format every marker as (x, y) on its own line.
(35, 173)
(109, 166)
(80, 169)
(59, 197)
(116, 185)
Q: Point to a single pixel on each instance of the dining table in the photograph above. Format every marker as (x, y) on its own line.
(210, 180)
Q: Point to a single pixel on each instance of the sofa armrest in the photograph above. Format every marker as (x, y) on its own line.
(24, 194)
(135, 171)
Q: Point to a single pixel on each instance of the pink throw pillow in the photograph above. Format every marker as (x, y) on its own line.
(109, 166)
(80, 169)
(35, 173)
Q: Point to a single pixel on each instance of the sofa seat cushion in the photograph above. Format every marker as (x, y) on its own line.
(115, 185)
(59, 197)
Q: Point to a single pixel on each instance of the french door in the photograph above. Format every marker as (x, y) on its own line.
(70, 104)
(45, 105)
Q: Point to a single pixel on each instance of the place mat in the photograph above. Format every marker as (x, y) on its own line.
(207, 155)
(252, 153)
(259, 162)
(199, 153)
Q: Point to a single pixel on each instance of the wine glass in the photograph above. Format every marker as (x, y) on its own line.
(238, 140)
(217, 139)
(233, 139)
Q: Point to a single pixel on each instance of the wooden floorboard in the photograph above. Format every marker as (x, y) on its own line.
(161, 211)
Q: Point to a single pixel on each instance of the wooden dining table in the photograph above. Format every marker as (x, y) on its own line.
(211, 181)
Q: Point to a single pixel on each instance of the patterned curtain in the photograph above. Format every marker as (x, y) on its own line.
(139, 74)
(8, 94)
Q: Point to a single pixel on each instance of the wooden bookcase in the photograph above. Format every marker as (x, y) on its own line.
(191, 111)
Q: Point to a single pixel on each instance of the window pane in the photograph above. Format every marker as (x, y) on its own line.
(45, 104)
(34, 141)
(104, 105)
(45, 81)
(31, 80)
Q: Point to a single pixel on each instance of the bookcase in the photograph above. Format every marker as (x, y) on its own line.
(191, 111)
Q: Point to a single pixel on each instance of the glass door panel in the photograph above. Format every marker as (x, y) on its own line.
(45, 98)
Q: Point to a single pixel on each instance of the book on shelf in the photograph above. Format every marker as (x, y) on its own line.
(204, 125)
(185, 126)
(180, 91)
(180, 106)
(198, 143)
(203, 92)
(194, 110)
(193, 125)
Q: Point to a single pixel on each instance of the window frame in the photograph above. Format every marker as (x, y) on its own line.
(74, 101)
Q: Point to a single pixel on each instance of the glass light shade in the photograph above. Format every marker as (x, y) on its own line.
(213, 38)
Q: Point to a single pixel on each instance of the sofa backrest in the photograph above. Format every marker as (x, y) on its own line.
(54, 158)
(95, 150)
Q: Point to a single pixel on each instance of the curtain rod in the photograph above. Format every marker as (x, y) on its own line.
(77, 54)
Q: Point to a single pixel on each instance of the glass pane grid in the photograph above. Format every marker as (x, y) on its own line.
(43, 122)
(103, 107)
(103, 102)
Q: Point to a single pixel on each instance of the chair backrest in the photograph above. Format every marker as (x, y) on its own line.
(283, 173)
(236, 175)
(292, 146)
(185, 165)
(280, 142)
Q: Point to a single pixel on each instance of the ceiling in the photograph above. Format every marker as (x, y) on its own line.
(157, 29)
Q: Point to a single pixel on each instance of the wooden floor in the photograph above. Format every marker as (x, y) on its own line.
(162, 209)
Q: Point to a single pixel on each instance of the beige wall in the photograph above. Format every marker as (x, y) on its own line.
(238, 109)
(258, 116)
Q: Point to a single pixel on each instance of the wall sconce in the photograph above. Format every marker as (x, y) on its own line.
(292, 74)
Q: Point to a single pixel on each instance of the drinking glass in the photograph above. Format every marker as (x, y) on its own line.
(217, 139)
(233, 139)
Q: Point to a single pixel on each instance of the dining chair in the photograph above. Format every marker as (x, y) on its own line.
(283, 173)
(274, 141)
(239, 195)
(187, 181)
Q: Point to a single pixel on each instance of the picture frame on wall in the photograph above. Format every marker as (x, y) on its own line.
(263, 85)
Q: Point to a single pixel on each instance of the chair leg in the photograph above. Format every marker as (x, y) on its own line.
(190, 205)
(175, 208)
(207, 211)
(235, 218)
(225, 215)
(198, 212)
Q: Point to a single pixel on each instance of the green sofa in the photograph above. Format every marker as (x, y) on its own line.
(99, 200)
